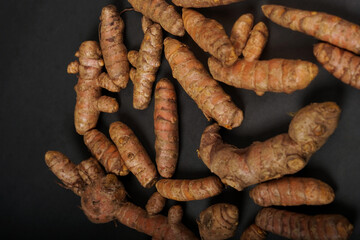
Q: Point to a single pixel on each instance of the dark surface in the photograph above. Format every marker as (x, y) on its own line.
(39, 39)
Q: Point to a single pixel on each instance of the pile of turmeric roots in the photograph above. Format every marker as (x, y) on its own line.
(234, 60)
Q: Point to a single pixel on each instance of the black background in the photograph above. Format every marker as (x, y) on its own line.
(38, 40)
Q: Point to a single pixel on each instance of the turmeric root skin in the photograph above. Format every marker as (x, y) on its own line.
(321, 25)
(340, 63)
(240, 32)
(253, 232)
(304, 226)
(256, 43)
(202, 3)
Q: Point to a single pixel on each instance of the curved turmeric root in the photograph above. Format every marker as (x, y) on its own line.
(202, 3)
(283, 154)
(209, 35)
(240, 32)
(291, 191)
(253, 232)
(256, 42)
(340, 63)
(197, 83)
(188, 190)
(218, 221)
(321, 25)
(89, 102)
(275, 75)
(155, 204)
(331, 226)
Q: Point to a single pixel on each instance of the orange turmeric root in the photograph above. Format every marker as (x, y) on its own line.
(103, 199)
(340, 63)
(275, 75)
(210, 35)
(291, 191)
(104, 150)
(112, 46)
(331, 226)
(197, 83)
(240, 32)
(161, 12)
(89, 102)
(202, 3)
(188, 190)
(133, 153)
(253, 232)
(219, 221)
(256, 43)
(283, 154)
(166, 128)
(321, 25)
(155, 204)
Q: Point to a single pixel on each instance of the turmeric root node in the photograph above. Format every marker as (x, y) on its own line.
(240, 32)
(253, 232)
(202, 3)
(155, 204)
(256, 43)
(90, 170)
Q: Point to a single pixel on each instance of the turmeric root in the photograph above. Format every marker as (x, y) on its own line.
(188, 190)
(253, 232)
(340, 63)
(209, 35)
(256, 43)
(320, 25)
(166, 128)
(202, 3)
(218, 221)
(104, 200)
(147, 62)
(90, 170)
(133, 153)
(283, 154)
(89, 102)
(106, 152)
(161, 12)
(155, 204)
(240, 32)
(291, 191)
(330, 226)
(275, 75)
(197, 83)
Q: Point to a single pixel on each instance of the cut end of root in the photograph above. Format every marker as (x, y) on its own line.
(296, 163)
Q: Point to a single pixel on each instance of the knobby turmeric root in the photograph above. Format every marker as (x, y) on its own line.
(253, 232)
(202, 3)
(89, 102)
(197, 83)
(166, 128)
(103, 199)
(240, 32)
(219, 221)
(104, 150)
(161, 12)
(256, 43)
(275, 75)
(133, 153)
(112, 46)
(283, 154)
(321, 25)
(209, 35)
(340, 63)
(188, 190)
(331, 226)
(291, 191)
(155, 204)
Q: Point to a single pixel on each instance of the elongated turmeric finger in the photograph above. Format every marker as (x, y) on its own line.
(188, 190)
(340, 63)
(90, 170)
(197, 83)
(209, 35)
(253, 232)
(240, 32)
(323, 26)
(155, 204)
(256, 43)
(202, 3)
(275, 75)
(291, 191)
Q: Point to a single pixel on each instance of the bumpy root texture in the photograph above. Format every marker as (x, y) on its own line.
(323, 26)
(218, 221)
(257, 41)
(202, 3)
(147, 62)
(240, 32)
(275, 75)
(166, 128)
(298, 226)
(277, 156)
(89, 102)
(210, 35)
(90, 170)
(200, 86)
(155, 204)
(133, 153)
(342, 64)
(161, 12)
(291, 191)
(253, 232)
(112, 46)
(188, 190)
(106, 152)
